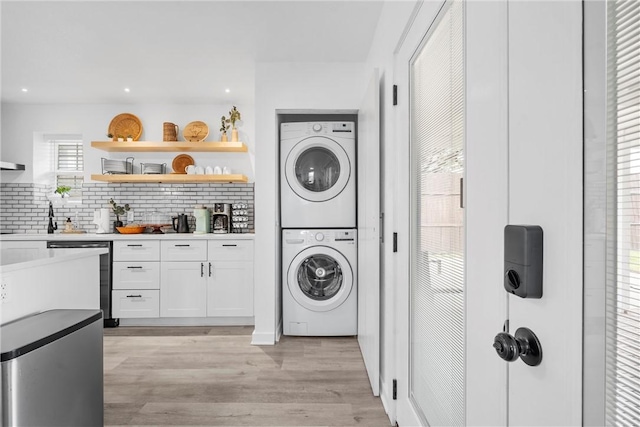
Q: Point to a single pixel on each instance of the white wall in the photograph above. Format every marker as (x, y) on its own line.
(287, 86)
(22, 121)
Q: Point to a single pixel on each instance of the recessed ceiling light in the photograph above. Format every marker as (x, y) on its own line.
(126, 89)
(227, 90)
(24, 89)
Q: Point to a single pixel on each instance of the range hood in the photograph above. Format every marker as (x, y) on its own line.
(8, 166)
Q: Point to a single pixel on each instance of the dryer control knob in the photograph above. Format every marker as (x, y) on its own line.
(317, 127)
(319, 237)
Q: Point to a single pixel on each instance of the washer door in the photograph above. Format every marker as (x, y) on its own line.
(317, 169)
(320, 278)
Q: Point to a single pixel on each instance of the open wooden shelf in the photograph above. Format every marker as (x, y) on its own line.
(170, 146)
(171, 178)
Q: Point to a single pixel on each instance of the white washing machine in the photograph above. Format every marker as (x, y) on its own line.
(319, 289)
(318, 175)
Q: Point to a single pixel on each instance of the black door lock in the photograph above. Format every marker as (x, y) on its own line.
(524, 345)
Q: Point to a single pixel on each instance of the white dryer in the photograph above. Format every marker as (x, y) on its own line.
(319, 289)
(318, 175)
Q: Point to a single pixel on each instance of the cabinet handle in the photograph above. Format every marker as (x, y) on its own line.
(134, 266)
(134, 246)
(229, 245)
(181, 246)
(134, 296)
(202, 269)
(209, 269)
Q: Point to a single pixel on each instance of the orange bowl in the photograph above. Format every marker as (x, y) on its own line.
(136, 229)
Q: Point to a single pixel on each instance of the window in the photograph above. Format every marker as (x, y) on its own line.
(69, 166)
(623, 219)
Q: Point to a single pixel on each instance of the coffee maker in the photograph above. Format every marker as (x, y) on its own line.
(222, 218)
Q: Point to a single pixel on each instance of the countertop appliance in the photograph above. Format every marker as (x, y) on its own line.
(319, 289)
(180, 223)
(51, 369)
(222, 218)
(105, 272)
(318, 175)
(203, 220)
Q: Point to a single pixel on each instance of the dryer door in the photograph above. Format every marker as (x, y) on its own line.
(320, 278)
(317, 169)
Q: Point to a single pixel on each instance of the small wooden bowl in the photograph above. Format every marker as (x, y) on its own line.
(131, 229)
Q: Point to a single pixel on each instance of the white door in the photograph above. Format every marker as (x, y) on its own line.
(183, 289)
(230, 288)
(369, 230)
(523, 161)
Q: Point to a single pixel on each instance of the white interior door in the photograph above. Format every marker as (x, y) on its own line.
(368, 170)
(523, 136)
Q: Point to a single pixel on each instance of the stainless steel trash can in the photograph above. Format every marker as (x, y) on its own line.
(51, 369)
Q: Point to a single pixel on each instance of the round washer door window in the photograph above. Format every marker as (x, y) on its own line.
(317, 169)
(320, 278)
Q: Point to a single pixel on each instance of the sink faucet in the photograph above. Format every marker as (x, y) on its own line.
(51, 227)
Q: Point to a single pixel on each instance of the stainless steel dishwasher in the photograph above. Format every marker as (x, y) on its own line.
(106, 285)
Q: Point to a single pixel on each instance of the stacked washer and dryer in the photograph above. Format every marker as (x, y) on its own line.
(318, 219)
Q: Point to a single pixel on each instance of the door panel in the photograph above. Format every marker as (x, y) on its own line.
(368, 230)
(545, 188)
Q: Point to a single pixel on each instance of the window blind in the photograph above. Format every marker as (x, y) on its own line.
(437, 226)
(623, 228)
(69, 165)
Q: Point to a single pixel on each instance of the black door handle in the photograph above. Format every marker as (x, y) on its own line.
(524, 345)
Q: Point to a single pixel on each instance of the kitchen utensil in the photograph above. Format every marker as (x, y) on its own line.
(208, 170)
(101, 219)
(180, 223)
(180, 162)
(191, 170)
(195, 131)
(126, 124)
(203, 220)
(153, 168)
(199, 170)
(217, 170)
(131, 229)
(110, 166)
(169, 131)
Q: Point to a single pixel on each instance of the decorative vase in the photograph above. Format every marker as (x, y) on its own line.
(223, 137)
(117, 224)
(234, 135)
(120, 139)
(129, 139)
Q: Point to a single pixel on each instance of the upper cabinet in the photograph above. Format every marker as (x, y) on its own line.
(170, 146)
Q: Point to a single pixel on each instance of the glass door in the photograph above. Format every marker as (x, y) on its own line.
(436, 365)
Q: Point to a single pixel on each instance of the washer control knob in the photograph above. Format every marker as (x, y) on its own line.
(319, 237)
(317, 127)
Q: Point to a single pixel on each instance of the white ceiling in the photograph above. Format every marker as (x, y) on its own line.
(169, 51)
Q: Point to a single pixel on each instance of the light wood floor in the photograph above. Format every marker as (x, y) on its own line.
(213, 376)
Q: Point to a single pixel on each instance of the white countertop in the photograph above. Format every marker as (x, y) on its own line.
(107, 237)
(18, 259)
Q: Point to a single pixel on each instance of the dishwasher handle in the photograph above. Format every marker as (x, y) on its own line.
(76, 245)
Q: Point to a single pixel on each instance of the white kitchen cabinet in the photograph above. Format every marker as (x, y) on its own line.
(136, 275)
(136, 279)
(230, 278)
(135, 303)
(30, 245)
(183, 289)
(183, 250)
(136, 250)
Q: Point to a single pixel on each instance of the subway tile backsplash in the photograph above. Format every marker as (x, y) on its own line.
(24, 208)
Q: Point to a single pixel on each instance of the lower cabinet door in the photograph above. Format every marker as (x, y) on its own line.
(230, 289)
(183, 289)
(135, 303)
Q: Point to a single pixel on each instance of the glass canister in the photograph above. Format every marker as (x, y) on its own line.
(203, 219)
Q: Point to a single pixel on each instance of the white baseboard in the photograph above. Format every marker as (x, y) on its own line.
(189, 321)
(262, 338)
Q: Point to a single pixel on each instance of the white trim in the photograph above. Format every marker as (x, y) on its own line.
(191, 321)
(262, 338)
